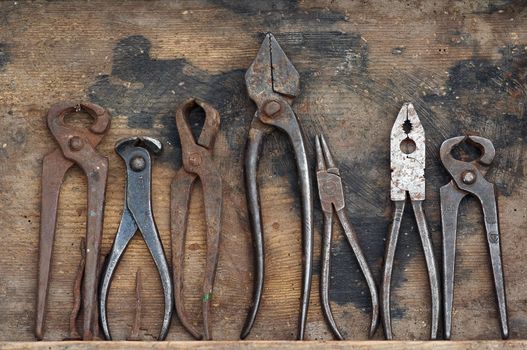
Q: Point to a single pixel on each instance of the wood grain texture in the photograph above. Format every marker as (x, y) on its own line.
(462, 64)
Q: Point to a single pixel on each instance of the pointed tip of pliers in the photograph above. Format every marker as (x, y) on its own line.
(325, 160)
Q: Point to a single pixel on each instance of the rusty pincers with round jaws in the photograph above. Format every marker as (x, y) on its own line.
(77, 146)
(469, 178)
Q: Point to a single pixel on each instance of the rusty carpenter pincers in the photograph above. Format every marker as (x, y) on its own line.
(332, 201)
(469, 178)
(197, 163)
(407, 156)
(137, 214)
(272, 83)
(77, 146)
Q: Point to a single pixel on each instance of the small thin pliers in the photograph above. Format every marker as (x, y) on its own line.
(272, 83)
(77, 146)
(198, 163)
(331, 196)
(407, 156)
(469, 178)
(137, 214)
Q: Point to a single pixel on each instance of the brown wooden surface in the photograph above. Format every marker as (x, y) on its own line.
(462, 63)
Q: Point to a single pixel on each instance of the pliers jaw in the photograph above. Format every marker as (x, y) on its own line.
(407, 156)
(329, 182)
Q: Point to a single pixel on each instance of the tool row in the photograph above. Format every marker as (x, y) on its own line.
(272, 83)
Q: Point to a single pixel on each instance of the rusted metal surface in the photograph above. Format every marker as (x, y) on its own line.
(137, 215)
(77, 146)
(332, 201)
(198, 163)
(407, 154)
(469, 178)
(272, 83)
(77, 284)
(136, 327)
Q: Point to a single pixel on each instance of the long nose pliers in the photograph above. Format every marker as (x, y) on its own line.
(272, 83)
(332, 202)
(407, 157)
(469, 178)
(137, 215)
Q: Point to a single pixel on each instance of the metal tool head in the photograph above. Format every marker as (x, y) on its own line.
(467, 175)
(271, 74)
(328, 178)
(152, 145)
(407, 155)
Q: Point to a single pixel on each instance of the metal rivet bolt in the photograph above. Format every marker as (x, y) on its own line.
(468, 177)
(137, 163)
(195, 159)
(76, 143)
(271, 108)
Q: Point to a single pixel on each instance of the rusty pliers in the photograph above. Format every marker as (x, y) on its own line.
(137, 215)
(469, 178)
(197, 163)
(332, 201)
(77, 146)
(407, 156)
(272, 83)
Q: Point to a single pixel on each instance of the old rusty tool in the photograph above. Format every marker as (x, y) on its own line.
(198, 163)
(137, 215)
(77, 146)
(331, 196)
(407, 156)
(469, 178)
(272, 83)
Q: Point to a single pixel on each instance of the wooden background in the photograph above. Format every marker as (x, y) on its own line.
(462, 63)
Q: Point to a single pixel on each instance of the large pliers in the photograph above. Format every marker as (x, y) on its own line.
(469, 178)
(272, 83)
(137, 215)
(198, 163)
(77, 146)
(407, 157)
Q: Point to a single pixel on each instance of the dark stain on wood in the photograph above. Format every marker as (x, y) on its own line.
(4, 55)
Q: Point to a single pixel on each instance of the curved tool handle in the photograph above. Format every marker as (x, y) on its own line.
(325, 274)
(391, 245)
(430, 265)
(252, 153)
(54, 167)
(127, 230)
(181, 190)
(451, 197)
(361, 259)
(139, 202)
(286, 120)
(212, 197)
(490, 213)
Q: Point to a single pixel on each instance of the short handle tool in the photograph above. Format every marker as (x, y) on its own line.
(407, 157)
(77, 146)
(469, 178)
(137, 215)
(198, 162)
(272, 83)
(332, 201)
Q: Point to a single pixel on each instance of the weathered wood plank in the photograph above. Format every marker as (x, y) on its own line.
(462, 63)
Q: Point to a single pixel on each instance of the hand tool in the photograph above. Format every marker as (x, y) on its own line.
(137, 214)
(272, 83)
(198, 162)
(331, 196)
(407, 156)
(469, 178)
(77, 146)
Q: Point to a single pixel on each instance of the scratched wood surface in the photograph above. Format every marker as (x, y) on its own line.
(462, 63)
